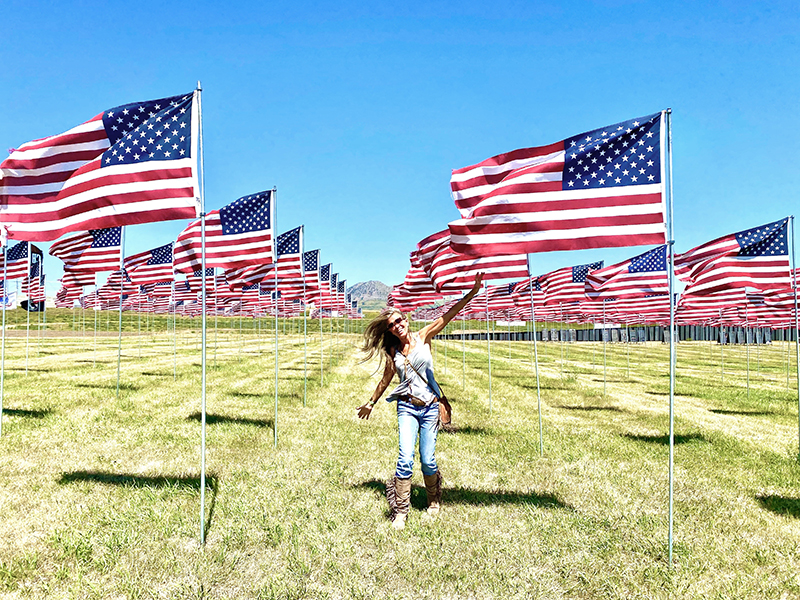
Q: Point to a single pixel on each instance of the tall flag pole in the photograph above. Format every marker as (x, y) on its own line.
(28, 316)
(3, 351)
(488, 345)
(796, 337)
(275, 306)
(203, 313)
(121, 289)
(671, 243)
(536, 360)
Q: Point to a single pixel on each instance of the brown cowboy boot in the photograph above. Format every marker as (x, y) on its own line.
(398, 493)
(433, 488)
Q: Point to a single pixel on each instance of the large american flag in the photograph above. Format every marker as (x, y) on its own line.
(599, 189)
(150, 266)
(16, 260)
(237, 235)
(94, 250)
(642, 275)
(756, 258)
(567, 284)
(134, 163)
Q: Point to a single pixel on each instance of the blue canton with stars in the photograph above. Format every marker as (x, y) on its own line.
(18, 252)
(209, 272)
(311, 260)
(161, 255)
(627, 153)
(249, 213)
(334, 279)
(767, 240)
(325, 272)
(106, 238)
(654, 260)
(289, 242)
(151, 130)
(341, 286)
(580, 272)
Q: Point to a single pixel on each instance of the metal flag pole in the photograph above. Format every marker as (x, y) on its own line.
(3, 352)
(305, 343)
(536, 359)
(28, 326)
(203, 318)
(121, 288)
(604, 348)
(671, 244)
(747, 348)
(488, 345)
(174, 306)
(721, 347)
(796, 336)
(275, 251)
(94, 309)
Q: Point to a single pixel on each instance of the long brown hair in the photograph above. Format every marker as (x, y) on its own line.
(378, 338)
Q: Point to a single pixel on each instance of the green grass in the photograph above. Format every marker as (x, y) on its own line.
(100, 495)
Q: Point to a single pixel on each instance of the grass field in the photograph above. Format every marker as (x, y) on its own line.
(99, 495)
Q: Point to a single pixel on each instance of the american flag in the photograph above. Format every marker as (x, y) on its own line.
(33, 285)
(77, 279)
(289, 265)
(66, 297)
(599, 189)
(134, 163)
(195, 281)
(151, 266)
(642, 275)
(567, 284)
(756, 258)
(500, 296)
(237, 235)
(455, 272)
(16, 261)
(117, 281)
(311, 273)
(94, 250)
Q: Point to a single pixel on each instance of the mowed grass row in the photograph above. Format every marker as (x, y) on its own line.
(100, 495)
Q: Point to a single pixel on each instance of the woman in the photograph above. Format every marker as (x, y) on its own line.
(409, 355)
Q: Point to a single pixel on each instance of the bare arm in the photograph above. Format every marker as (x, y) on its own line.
(429, 331)
(388, 372)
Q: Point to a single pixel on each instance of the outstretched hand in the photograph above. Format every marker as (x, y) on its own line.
(364, 411)
(478, 280)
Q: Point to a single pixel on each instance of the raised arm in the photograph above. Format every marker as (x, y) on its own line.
(429, 331)
(365, 409)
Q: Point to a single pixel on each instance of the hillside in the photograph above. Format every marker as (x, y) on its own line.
(371, 295)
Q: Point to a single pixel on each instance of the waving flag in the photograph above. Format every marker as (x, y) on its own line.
(643, 275)
(77, 279)
(135, 163)
(311, 272)
(237, 235)
(150, 266)
(17, 260)
(289, 265)
(95, 250)
(756, 258)
(599, 189)
(566, 285)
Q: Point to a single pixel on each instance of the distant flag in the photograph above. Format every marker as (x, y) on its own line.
(289, 265)
(237, 235)
(756, 258)
(599, 189)
(150, 266)
(17, 258)
(94, 250)
(135, 163)
(642, 275)
(311, 272)
(566, 285)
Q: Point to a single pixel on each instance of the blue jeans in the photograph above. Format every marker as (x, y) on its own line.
(412, 422)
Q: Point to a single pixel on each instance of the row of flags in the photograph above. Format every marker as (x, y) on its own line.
(740, 278)
(137, 163)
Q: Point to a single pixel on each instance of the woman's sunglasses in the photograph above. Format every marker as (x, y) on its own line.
(393, 324)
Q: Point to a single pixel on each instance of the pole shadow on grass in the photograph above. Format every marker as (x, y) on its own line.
(212, 419)
(31, 414)
(472, 497)
(593, 408)
(780, 505)
(752, 413)
(664, 439)
(111, 386)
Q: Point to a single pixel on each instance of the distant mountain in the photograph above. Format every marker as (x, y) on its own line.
(370, 294)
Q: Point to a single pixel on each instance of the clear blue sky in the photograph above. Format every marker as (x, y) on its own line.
(358, 111)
